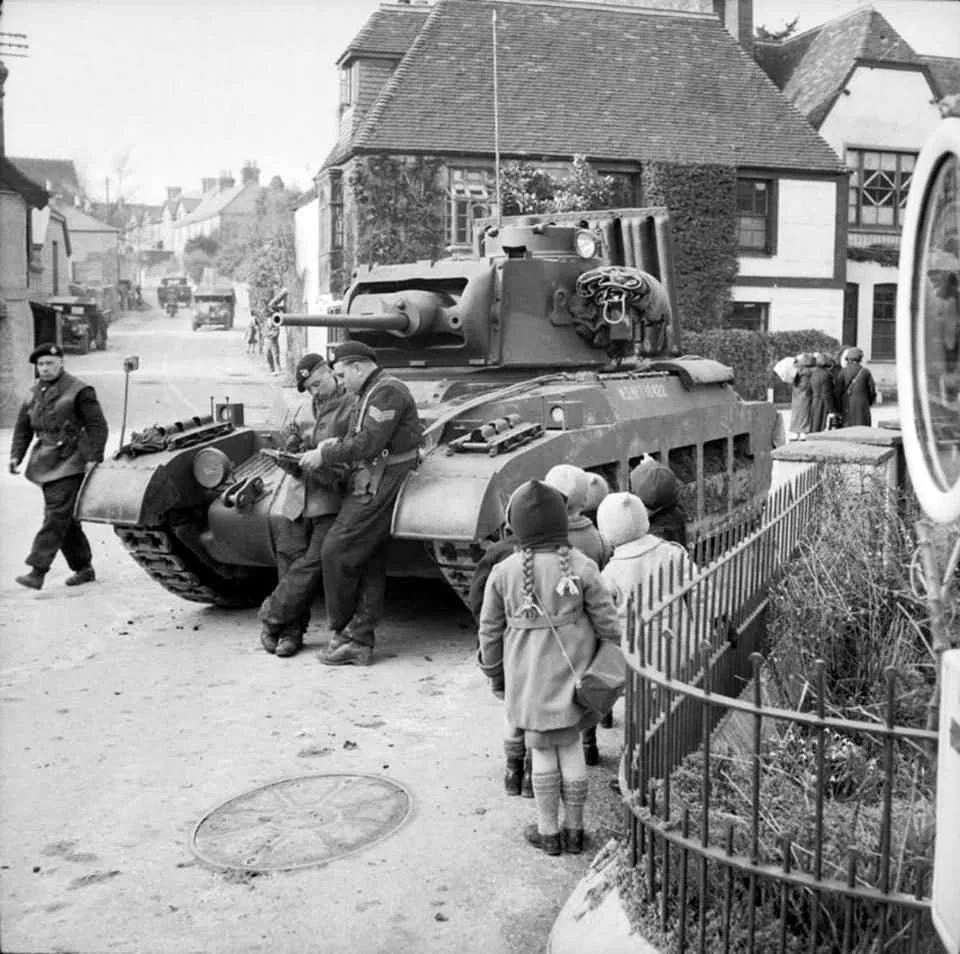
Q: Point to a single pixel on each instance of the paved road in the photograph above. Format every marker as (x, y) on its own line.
(126, 714)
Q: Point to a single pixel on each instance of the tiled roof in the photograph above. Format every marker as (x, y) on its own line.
(861, 36)
(389, 31)
(945, 73)
(612, 83)
(60, 173)
(13, 178)
(79, 221)
(213, 203)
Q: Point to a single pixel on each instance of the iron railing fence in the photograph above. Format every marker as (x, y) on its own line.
(755, 827)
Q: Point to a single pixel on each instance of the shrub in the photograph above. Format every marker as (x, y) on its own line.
(747, 352)
(785, 343)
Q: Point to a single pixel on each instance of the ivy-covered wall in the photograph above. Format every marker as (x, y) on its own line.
(702, 202)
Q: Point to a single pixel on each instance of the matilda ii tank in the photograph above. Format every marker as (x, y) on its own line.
(556, 342)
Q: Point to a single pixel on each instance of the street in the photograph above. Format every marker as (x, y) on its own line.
(128, 714)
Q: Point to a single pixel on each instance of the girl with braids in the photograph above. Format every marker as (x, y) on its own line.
(544, 610)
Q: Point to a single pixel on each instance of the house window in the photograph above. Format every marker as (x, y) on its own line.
(756, 215)
(884, 322)
(623, 191)
(346, 87)
(879, 184)
(469, 200)
(336, 211)
(750, 315)
(55, 248)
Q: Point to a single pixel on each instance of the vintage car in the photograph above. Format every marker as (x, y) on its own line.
(83, 323)
(214, 305)
(174, 288)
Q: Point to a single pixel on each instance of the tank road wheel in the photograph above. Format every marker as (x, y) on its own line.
(170, 563)
(457, 562)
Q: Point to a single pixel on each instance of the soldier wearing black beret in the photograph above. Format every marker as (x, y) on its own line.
(61, 418)
(380, 449)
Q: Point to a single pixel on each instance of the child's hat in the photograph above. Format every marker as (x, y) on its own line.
(622, 517)
(597, 489)
(655, 484)
(537, 515)
(571, 482)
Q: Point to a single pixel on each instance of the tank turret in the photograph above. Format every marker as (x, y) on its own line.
(573, 290)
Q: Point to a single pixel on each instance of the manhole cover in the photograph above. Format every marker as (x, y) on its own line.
(300, 822)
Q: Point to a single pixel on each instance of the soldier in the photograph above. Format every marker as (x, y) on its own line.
(63, 414)
(313, 503)
(381, 449)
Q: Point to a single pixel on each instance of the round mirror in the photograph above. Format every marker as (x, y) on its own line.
(928, 326)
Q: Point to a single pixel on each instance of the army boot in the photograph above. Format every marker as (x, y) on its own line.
(289, 644)
(86, 575)
(32, 580)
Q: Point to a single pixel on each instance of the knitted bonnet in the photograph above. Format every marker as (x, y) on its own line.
(537, 515)
(597, 489)
(572, 483)
(622, 517)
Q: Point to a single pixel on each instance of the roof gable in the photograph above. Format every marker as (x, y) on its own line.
(214, 203)
(61, 174)
(863, 36)
(79, 221)
(944, 73)
(618, 104)
(389, 31)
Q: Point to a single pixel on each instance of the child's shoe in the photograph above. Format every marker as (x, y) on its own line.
(573, 841)
(549, 844)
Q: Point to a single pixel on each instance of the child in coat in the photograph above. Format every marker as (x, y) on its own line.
(543, 601)
(659, 489)
(573, 483)
(637, 555)
(597, 489)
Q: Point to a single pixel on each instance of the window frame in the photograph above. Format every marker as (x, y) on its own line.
(889, 320)
(855, 205)
(347, 87)
(769, 216)
(764, 309)
(470, 196)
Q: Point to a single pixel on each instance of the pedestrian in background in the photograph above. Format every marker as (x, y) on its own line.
(309, 503)
(62, 425)
(822, 387)
(544, 611)
(856, 391)
(380, 449)
(801, 398)
(270, 332)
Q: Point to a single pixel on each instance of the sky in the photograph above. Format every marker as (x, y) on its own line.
(143, 94)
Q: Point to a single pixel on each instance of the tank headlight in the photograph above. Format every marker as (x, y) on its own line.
(210, 467)
(557, 416)
(586, 244)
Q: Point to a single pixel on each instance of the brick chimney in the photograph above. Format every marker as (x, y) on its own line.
(226, 181)
(173, 193)
(250, 174)
(737, 17)
(207, 184)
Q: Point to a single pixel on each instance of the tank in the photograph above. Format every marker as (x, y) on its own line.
(555, 342)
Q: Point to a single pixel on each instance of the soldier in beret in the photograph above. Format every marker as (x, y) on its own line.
(380, 449)
(310, 503)
(63, 421)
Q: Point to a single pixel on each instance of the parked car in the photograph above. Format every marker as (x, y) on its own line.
(83, 323)
(174, 288)
(214, 306)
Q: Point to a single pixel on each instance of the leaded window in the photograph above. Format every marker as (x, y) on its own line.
(879, 185)
(470, 199)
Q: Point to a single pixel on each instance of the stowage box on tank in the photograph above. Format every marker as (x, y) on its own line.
(557, 342)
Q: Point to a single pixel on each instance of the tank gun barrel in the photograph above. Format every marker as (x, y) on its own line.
(387, 321)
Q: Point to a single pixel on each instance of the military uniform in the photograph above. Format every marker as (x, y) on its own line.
(381, 449)
(64, 423)
(312, 506)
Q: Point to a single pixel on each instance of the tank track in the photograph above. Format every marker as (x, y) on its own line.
(156, 552)
(458, 563)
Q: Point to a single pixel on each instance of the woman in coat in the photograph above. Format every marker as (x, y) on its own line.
(800, 403)
(856, 391)
(822, 403)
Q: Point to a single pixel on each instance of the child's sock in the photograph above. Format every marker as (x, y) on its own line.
(574, 798)
(546, 791)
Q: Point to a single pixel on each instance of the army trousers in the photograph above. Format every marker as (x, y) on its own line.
(60, 531)
(300, 572)
(354, 558)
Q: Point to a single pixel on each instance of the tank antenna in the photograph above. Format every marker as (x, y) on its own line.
(496, 120)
